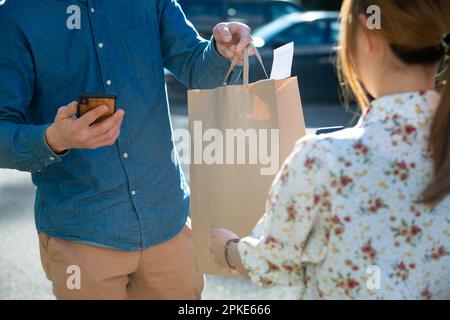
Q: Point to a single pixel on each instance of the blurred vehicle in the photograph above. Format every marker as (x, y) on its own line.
(205, 14)
(315, 34)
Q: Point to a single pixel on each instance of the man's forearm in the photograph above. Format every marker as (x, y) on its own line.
(24, 147)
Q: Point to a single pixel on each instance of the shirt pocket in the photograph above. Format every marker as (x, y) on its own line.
(143, 50)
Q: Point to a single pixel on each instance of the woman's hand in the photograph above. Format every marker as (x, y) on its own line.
(220, 237)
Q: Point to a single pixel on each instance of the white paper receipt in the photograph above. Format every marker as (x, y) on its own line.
(282, 62)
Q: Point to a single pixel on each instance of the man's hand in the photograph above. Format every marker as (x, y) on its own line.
(68, 132)
(231, 39)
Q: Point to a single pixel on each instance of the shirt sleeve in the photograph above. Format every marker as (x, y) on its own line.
(192, 59)
(23, 145)
(291, 239)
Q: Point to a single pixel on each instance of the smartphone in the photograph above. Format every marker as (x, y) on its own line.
(87, 102)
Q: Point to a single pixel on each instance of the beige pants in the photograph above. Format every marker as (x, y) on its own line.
(163, 272)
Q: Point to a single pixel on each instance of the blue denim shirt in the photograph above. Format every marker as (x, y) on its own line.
(129, 196)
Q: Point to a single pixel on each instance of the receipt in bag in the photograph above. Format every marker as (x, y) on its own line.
(282, 62)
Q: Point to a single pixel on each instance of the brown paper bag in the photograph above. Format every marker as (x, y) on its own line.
(230, 194)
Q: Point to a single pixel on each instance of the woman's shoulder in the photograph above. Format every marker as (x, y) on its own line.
(332, 145)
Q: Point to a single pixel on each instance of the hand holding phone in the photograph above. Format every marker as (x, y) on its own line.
(88, 102)
(85, 132)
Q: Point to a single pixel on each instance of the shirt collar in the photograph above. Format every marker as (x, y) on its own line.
(410, 105)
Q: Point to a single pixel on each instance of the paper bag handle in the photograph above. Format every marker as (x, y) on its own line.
(246, 69)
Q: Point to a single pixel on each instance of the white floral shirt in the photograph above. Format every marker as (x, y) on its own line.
(342, 220)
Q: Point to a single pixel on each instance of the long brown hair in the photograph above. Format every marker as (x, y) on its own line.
(414, 30)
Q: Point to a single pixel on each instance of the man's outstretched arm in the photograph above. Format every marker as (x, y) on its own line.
(198, 63)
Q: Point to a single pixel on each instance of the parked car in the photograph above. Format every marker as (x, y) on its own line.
(315, 34)
(205, 14)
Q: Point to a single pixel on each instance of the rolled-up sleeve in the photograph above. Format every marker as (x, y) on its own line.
(23, 145)
(291, 237)
(192, 59)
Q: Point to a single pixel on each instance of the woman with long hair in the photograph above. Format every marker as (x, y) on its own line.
(365, 213)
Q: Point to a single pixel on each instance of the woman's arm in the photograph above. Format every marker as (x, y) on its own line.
(292, 233)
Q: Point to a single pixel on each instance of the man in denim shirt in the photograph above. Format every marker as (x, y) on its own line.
(111, 205)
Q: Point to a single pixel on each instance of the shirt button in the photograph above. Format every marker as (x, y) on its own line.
(133, 193)
(101, 45)
(125, 155)
(92, 10)
(52, 159)
(109, 82)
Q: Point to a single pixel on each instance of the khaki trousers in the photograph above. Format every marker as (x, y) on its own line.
(163, 272)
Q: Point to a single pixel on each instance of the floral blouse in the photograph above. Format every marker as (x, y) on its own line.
(342, 219)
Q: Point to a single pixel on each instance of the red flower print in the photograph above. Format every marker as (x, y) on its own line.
(316, 199)
(338, 226)
(401, 170)
(292, 268)
(348, 284)
(405, 132)
(292, 212)
(426, 294)
(284, 174)
(322, 202)
(401, 272)
(409, 129)
(345, 162)
(265, 282)
(437, 253)
(335, 220)
(272, 267)
(309, 163)
(369, 253)
(339, 183)
(351, 265)
(410, 233)
(415, 211)
(415, 230)
(361, 149)
(271, 241)
(345, 181)
(374, 205)
(352, 283)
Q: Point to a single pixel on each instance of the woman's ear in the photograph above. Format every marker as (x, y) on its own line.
(365, 35)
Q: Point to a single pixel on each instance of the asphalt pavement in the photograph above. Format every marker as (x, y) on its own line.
(21, 275)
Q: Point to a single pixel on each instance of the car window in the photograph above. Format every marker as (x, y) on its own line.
(278, 10)
(305, 33)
